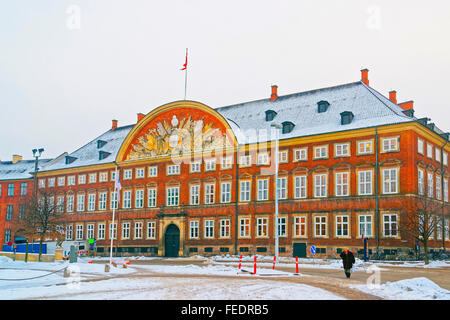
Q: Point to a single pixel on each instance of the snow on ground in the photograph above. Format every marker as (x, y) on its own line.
(408, 289)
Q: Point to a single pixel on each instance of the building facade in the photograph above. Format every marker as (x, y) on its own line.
(198, 180)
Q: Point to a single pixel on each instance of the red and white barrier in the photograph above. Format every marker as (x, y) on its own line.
(254, 267)
(274, 260)
(296, 264)
(240, 261)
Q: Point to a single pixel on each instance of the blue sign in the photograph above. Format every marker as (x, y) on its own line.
(313, 250)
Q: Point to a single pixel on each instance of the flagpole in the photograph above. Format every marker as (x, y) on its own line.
(114, 211)
(185, 76)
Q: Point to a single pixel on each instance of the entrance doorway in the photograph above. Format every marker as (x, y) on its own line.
(299, 250)
(172, 241)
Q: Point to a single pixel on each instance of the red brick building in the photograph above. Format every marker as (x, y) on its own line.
(198, 180)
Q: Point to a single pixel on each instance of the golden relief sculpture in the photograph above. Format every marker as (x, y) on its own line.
(177, 138)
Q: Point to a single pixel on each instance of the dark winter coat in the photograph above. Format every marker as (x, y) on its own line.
(348, 259)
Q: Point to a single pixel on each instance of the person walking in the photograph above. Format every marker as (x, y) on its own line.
(348, 259)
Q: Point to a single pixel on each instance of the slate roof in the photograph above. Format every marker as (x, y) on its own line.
(19, 170)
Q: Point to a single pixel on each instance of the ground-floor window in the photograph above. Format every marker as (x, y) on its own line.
(300, 226)
(193, 229)
(138, 230)
(151, 228)
(262, 227)
(320, 226)
(244, 227)
(225, 226)
(209, 228)
(390, 225)
(282, 227)
(365, 225)
(342, 226)
(101, 231)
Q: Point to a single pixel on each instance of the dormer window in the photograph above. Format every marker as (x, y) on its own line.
(346, 117)
(287, 127)
(102, 155)
(409, 112)
(100, 143)
(270, 115)
(70, 159)
(322, 106)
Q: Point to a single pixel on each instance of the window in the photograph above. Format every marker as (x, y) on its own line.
(245, 161)
(445, 158)
(365, 182)
(61, 181)
(320, 152)
(300, 226)
(139, 198)
(102, 201)
(70, 199)
(126, 199)
(244, 227)
(209, 193)
(91, 202)
(282, 188)
(209, 228)
(69, 232)
(80, 202)
(446, 190)
(10, 189)
(421, 182)
(283, 156)
(90, 231)
(79, 233)
(60, 203)
(81, 179)
(320, 226)
(262, 227)
(365, 147)
(140, 172)
(341, 184)
(342, 150)
(195, 195)
(7, 235)
(127, 174)
(430, 184)
(92, 178)
(245, 191)
(301, 154)
(173, 169)
(70, 180)
(365, 226)
(151, 230)
(210, 164)
(41, 183)
(419, 145)
(263, 158)
(151, 197)
(320, 185)
(9, 212)
(138, 230)
(430, 151)
(263, 189)
(23, 188)
(114, 200)
(390, 178)
(195, 167)
(51, 182)
(101, 231)
(152, 171)
(390, 225)
(193, 229)
(113, 230)
(437, 153)
(225, 192)
(438, 188)
(103, 177)
(125, 230)
(300, 187)
(113, 176)
(282, 227)
(342, 226)
(225, 228)
(390, 144)
(173, 196)
(227, 162)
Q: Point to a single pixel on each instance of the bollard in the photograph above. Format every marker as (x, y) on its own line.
(274, 259)
(107, 267)
(254, 267)
(296, 264)
(240, 261)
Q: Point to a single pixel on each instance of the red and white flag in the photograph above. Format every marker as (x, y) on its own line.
(185, 63)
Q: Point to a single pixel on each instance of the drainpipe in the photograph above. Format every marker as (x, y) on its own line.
(236, 203)
(442, 191)
(377, 205)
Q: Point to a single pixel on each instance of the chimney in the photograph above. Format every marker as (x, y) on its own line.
(393, 96)
(274, 94)
(140, 116)
(365, 76)
(408, 105)
(16, 158)
(114, 124)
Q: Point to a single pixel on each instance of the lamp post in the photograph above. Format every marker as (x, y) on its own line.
(277, 127)
(36, 154)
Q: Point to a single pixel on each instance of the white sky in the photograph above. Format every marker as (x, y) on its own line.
(60, 87)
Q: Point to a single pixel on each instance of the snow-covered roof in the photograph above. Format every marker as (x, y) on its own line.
(20, 170)
(369, 108)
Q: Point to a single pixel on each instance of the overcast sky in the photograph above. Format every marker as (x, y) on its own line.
(67, 68)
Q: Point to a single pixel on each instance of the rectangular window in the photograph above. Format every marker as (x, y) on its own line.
(320, 226)
(320, 185)
(125, 230)
(103, 177)
(195, 167)
(41, 183)
(70, 199)
(113, 231)
(430, 151)
(301, 154)
(79, 231)
(341, 184)
(445, 158)
(365, 147)
(151, 230)
(225, 228)
(342, 150)
(227, 162)
(113, 176)
(81, 179)
(245, 191)
(342, 226)
(390, 181)
(127, 174)
(7, 235)
(173, 195)
(10, 189)
(320, 152)
(138, 230)
(390, 144)
(209, 228)
(90, 231)
(80, 202)
(244, 227)
(282, 188)
(210, 164)
(173, 169)
(283, 156)
(263, 189)
(419, 145)
(139, 198)
(60, 204)
(153, 171)
(114, 200)
(390, 225)
(193, 229)
(438, 188)
(446, 190)
(92, 178)
(126, 199)
(282, 227)
(23, 188)
(225, 192)
(91, 202)
(437, 153)
(262, 227)
(430, 185)
(245, 161)
(300, 226)
(70, 181)
(421, 182)
(365, 226)
(9, 212)
(140, 173)
(195, 195)
(151, 197)
(102, 201)
(300, 187)
(210, 193)
(61, 181)
(101, 231)
(263, 158)
(365, 182)
(69, 232)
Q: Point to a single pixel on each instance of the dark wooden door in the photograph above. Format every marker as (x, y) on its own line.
(172, 241)
(299, 250)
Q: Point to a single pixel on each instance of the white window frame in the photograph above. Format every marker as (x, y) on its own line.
(282, 188)
(367, 147)
(318, 220)
(244, 227)
(92, 177)
(390, 185)
(90, 231)
(127, 174)
(152, 171)
(126, 202)
(283, 156)
(138, 228)
(320, 152)
(209, 229)
(390, 144)
(262, 227)
(322, 186)
(342, 149)
(342, 223)
(225, 228)
(81, 179)
(103, 176)
(195, 166)
(140, 173)
(245, 188)
(139, 198)
(194, 194)
(365, 225)
(429, 150)
(263, 158)
(101, 231)
(81, 202)
(420, 146)
(263, 189)
(125, 230)
(282, 227)
(227, 163)
(301, 154)
(91, 201)
(210, 193)
(210, 165)
(421, 182)
(173, 169)
(342, 184)
(392, 232)
(173, 196)
(365, 182)
(300, 187)
(151, 230)
(225, 192)
(299, 222)
(193, 229)
(430, 184)
(245, 161)
(79, 232)
(70, 180)
(151, 197)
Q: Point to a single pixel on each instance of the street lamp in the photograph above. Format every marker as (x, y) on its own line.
(277, 127)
